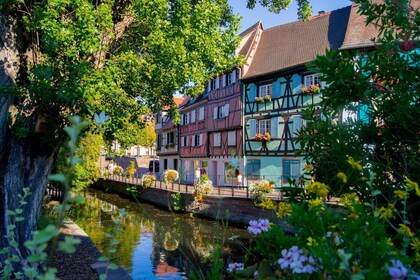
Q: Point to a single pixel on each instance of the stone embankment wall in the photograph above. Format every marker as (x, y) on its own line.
(237, 210)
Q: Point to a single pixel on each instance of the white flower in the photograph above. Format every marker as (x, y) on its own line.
(101, 118)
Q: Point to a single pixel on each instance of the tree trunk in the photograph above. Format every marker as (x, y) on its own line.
(24, 163)
(21, 167)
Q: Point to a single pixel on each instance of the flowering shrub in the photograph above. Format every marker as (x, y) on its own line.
(262, 137)
(147, 180)
(131, 170)
(235, 267)
(118, 170)
(323, 242)
(312, 89)
(267, 98)
(258, 190)
(202, 187)
(169, 176)
(297, 262)
(259, 99)
(256, 227)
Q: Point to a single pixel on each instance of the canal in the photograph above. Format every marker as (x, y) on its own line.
(154, 243)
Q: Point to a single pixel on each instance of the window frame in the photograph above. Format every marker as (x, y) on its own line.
(218, 136)
(268, 90)
(267, 126)
(291, 161)
(309, 80)
(233, 132)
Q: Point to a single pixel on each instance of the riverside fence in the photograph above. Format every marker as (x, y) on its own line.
(230, 191)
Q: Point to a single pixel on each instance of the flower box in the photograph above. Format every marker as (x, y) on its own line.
(262, 137)
(311, 89)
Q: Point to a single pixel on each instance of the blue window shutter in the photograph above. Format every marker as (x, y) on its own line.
(297, 124)
(275, 92)
(252, 127)
(252, 93)
(296, 83)
(275, 127)
(295, 168)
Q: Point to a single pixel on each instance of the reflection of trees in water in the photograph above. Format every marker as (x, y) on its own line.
(179, 242)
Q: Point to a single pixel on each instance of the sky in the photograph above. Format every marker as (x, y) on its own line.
(270, 19)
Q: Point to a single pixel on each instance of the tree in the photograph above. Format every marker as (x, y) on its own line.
(84, 173)
(276, 6)
(61, 58)
(381, 86)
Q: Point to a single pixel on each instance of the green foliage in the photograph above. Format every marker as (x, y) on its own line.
(179, 204)
(276, 6)
(380, 87)
(87, 171)
(118, 58)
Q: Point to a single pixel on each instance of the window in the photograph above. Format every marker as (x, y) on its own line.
(212, 84)
(193, 114)
(253, 167)
(170, 138)
(165, 163)
(159, 141)
(291, 170)
(185, 119)
(264, 126)
(265, 90)
(201, 114)
(311, 80)
(217, 139)
(184, 141)
(229, 78)
(175, 164)
(221, 111)
(198, 140)
(232, 138)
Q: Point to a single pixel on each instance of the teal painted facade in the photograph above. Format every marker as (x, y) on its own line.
(280, 116)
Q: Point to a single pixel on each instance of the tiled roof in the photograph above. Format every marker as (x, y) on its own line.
(248, 35)
(177, 100)
(191, 101)
(297, 43)
(359, 34)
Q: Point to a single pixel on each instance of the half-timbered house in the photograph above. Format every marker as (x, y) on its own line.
(273, 93)
(224, 115)
(193, 140)
(167, 140)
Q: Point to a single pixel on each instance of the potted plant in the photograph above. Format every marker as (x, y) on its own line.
(147, 180)
(169, 176)
(267, 98)
(259, 99)
(203, 186)
(312, 89)
(131, 170)
(264, 137)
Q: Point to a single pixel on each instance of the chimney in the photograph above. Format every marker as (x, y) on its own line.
(321, 12)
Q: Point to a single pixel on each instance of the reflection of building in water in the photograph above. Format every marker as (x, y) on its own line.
(107, 207)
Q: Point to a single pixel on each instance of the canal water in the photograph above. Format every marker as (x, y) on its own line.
(157, 244)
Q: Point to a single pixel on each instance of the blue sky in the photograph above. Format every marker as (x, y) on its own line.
(270, 19)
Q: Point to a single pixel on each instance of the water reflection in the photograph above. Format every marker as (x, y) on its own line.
(155, 244)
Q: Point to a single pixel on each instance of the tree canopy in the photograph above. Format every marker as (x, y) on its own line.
(276, 6)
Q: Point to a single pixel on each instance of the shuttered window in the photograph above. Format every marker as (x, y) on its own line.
(217, 139)
(291, 170)
(232, 138)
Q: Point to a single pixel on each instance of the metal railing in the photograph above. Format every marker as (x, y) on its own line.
(229, 191)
